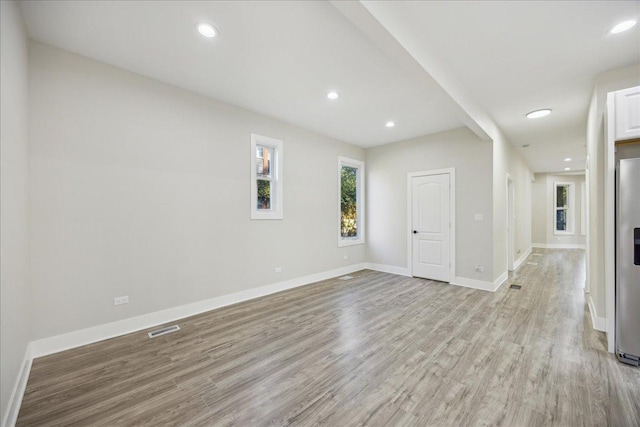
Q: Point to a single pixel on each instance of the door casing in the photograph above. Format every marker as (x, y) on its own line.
(511, 223)
(452, 218)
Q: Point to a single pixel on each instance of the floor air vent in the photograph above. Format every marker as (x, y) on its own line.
(164, 331)
(345, 277)
(516, 287)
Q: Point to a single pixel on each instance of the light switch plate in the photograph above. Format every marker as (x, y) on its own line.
(479, 217)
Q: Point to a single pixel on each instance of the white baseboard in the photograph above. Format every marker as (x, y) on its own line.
(15, 400)
(521, 259)
(598, 323)
(558, 246)
(402, 271)
(481, 284)
(458, 281)
(58, 343)
(501, 280)
(473, 284)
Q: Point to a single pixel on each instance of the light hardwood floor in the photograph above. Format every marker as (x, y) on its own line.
(379, 349)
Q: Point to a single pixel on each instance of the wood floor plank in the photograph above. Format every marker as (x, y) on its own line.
(378, 349)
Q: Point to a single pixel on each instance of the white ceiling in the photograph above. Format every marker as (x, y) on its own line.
(519, 56)
(277, 58)
(281, 58)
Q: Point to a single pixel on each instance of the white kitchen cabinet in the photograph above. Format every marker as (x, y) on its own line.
(627, 114)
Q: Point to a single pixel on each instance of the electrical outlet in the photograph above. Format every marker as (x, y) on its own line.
(121, 300)
(479, 268)
(278, 269)
(345, 256)
(479, 217)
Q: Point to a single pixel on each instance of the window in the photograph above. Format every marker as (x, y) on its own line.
(563, 208)
(266, 177)
(350, 202)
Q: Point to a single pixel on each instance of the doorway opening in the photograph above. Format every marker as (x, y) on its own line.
(510, 223)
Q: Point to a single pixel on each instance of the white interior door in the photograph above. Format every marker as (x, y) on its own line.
(430, 227)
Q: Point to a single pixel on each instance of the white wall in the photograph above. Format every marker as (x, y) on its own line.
(139, 188)
(543, 211)
(387, 168)
(607, 82)
(506, 160)
(15, 304)
(539, 217)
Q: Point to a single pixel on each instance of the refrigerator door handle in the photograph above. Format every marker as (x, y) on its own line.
(636, 246)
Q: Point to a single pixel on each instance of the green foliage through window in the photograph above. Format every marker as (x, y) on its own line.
(264, 194)
(562, 195)
(348, 202)
(562, 207)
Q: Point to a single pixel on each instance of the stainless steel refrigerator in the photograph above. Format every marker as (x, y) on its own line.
(628, 261)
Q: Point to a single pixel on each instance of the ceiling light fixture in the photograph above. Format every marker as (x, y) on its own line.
(207, 30)
(567, 169)
(623, 26)
(539, 113)
(568, 159)
(333, 95)
(390, 124)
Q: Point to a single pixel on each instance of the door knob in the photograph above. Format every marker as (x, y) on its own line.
(415, 231)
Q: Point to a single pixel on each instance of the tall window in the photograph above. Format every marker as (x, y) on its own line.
(564, 208)
(351, 201)
(266, 177)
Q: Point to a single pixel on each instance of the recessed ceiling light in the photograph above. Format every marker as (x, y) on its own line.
(207, 30)
(623, 26)
(567, 169)
(390, 124)
(333, 95)
(538, 113)
(568, 159)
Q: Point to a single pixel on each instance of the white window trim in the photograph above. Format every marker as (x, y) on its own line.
(359, 240)
(276, 211)
(571, 209)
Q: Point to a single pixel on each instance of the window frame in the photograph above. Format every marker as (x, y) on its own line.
(277, 199)
(360, 202)
(571, 208)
